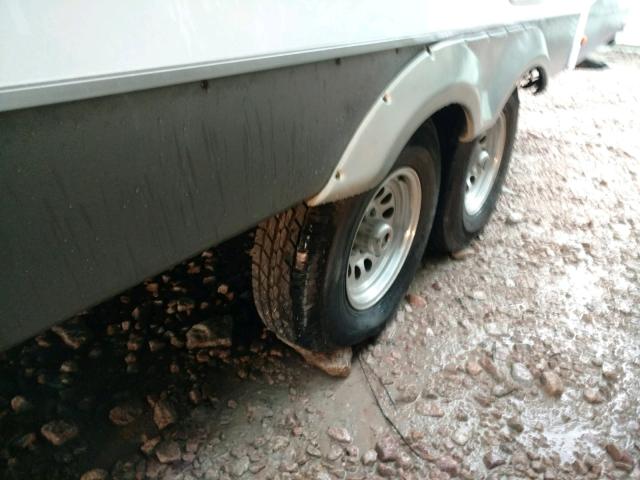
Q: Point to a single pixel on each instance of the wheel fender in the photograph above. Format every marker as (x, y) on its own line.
(478, 73)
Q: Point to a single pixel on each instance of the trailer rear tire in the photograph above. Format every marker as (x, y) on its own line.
(305, 260)
(472, 182)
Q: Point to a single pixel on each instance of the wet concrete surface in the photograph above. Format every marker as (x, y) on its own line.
(524, 362)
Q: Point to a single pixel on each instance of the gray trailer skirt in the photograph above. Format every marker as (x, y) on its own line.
(96, 195)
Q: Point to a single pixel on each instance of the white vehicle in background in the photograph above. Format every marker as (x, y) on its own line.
(352, 134)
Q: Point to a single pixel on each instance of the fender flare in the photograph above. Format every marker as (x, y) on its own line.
(478, 73)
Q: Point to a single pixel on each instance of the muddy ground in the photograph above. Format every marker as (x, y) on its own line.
(524, 363)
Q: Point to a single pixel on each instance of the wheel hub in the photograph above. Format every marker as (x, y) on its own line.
(383, 238)
(374, 236)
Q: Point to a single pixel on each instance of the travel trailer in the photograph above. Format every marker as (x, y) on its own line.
(352, 135)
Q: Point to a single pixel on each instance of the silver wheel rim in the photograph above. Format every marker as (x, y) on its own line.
(383, 238)
(484, 166)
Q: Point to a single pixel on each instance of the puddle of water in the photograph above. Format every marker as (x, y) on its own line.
(565, 439)
(579, 292)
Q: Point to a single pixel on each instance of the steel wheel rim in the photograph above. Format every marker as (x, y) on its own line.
(484, 166)
(383, 238)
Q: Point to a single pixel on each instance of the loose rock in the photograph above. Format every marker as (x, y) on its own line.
(423, 450)
(149, 444)
(336, 363)
(409, 394)
(69, 366)
(73, 336)
(492, 460)
(339, 434)
(448, 465)
(520, 459)
(278, 443)
(404, 460)
(464, 253)
(352, 451)
(59, 432)
(515, 424)
(386, 471)
(95, 474)
(416, 301)
(164, 414)
(620, 456)
(210, 334)
(537, 466)
(314, 451)
(122, 415)
(487, 364)
(461, 436)
(240, 466)
(19, 404)
(473, 368)
(478, 295)
(521, 374)
(513, 218)
(593, 395)
(609, 371)
(369, 457)
(156, 345)
(552, 384)
(335, 452)
(168, 452)
(387, 449)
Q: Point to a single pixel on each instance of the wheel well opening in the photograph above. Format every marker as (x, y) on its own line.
(535, 80)
(450, 122)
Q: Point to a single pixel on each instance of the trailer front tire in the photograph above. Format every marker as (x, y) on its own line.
(332, 275)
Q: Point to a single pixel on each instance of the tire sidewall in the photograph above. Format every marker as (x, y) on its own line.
(344, 324)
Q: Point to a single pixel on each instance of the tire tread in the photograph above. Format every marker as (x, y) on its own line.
(273, 256)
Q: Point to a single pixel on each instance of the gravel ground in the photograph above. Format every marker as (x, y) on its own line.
(520, 359)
